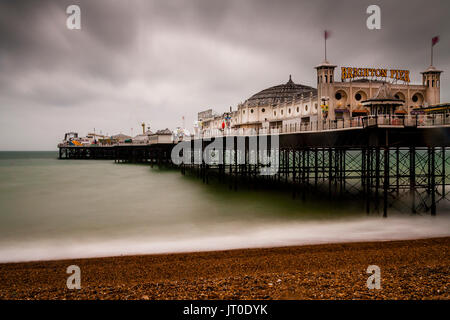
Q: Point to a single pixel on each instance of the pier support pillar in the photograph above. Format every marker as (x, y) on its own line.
(433, 182)
(412, 177)
(385, 182)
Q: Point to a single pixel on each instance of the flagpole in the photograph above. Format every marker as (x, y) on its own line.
(431, 52)
(325, 36)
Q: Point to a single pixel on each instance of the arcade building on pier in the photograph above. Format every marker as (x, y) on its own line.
(360, 92)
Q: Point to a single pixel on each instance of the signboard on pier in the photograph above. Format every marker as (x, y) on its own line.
(394, 74)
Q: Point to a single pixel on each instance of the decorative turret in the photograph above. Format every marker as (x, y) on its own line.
(432, 81)
(325, 78)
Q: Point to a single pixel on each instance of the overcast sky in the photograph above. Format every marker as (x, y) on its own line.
(155, 61)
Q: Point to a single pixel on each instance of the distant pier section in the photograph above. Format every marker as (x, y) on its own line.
(147, 147)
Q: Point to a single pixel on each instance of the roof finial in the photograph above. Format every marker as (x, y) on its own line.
(290, 80)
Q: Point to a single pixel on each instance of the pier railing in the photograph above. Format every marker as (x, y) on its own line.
(398, 121)
(338, 124)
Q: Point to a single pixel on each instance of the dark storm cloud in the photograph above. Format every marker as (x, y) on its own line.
(156, 61)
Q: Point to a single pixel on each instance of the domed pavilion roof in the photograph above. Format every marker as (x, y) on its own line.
(281, 93)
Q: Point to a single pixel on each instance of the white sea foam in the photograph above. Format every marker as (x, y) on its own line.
(280, 234)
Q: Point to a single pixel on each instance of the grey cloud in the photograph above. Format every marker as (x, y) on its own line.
(159, 60)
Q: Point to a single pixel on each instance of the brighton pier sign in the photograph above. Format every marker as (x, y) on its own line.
(351, 73)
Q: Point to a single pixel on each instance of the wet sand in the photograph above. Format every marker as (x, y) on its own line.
(411, 269)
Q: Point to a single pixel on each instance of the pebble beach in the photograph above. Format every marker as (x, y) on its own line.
(410, 269)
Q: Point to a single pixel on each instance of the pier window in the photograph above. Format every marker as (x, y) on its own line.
(358, 96)
(298, 109)
(306, 108)
(289, 111)
(263, 110)
(338, 96)
(415, 98)
(251, 110)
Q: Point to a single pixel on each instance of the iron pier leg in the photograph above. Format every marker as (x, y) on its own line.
(368, 178)
(294, 169)
(304, 189)
(386, 182)
(330, 164)
(433, 184)
(397, 170)
(412, 177)
(377, 178)
(443, 172)
(316, 168)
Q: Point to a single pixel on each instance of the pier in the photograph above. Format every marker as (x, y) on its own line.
(131, 153)
(384, 161)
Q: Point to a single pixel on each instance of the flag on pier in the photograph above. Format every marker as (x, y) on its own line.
(434, 40)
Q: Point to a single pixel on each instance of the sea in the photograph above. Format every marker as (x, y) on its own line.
(61, 209)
